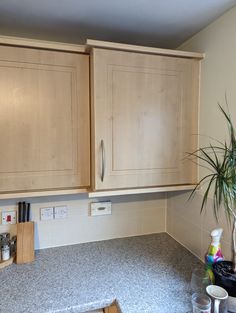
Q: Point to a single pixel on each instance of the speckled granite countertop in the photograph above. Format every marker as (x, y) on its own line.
(145, 274)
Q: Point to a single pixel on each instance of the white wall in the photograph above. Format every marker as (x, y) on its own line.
(218, 77)
(131, 215)
(192, 229)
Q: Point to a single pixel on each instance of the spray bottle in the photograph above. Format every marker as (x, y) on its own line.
(214, 253)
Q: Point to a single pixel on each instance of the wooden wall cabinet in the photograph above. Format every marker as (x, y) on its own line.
(144, 119)
(44, 118)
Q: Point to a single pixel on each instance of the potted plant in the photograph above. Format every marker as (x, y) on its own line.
(220, 159)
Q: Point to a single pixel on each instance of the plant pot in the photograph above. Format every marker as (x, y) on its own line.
(226, 278)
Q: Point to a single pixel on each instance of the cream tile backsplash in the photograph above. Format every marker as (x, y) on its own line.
(192, 229)
(131, 215)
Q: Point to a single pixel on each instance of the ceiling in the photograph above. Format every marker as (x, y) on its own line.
(160, 23)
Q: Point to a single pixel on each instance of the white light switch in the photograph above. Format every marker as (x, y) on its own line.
(46, 214)
(100, 208)
(60, 212)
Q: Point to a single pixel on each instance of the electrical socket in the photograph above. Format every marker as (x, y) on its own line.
(46, 214)
(60, 212)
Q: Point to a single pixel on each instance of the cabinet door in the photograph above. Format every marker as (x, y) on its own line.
(44, 119)
(145, 114)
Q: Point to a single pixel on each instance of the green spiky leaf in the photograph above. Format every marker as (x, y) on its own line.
(220, 160)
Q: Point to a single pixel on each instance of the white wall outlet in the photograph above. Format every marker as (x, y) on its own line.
(60, 212)
(8, 217)
(100, 208)
(46, 214)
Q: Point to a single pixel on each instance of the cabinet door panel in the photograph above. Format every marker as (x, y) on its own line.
(149, 111)
(44, 118)
(145, 111)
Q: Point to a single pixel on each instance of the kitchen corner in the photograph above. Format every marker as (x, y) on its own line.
(143, 274)
(106, 107)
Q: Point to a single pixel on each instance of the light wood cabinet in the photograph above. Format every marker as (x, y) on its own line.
(111, 309)
(145, 119)
(44, 119)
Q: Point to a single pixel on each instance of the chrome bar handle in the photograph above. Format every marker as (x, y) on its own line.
(103, 160)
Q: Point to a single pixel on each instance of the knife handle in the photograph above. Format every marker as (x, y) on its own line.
(28, 212)
(20, 212)
(24, 213)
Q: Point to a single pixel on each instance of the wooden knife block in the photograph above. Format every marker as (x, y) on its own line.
(25, 243)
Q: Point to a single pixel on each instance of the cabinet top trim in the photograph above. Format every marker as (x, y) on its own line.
(90, 43)
(34, 43)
